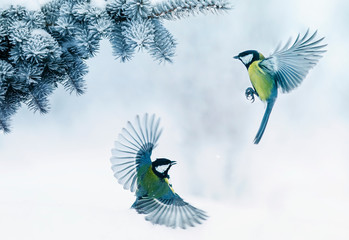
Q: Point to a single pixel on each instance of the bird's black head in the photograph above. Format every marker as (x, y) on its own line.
(248, 57)
(161, 166)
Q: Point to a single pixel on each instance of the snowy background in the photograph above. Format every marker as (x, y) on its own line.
(55, 176)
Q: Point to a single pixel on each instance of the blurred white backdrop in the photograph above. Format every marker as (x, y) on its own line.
(55, 176)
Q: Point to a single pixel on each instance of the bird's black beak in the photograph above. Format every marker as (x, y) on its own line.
(173, 163)
(236, 57)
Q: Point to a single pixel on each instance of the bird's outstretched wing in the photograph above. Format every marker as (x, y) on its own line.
(133, 149)
(290, 65)
(170, 210)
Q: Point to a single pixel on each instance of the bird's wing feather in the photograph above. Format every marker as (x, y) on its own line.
(169, 210)
(290, 65)
(133, 150)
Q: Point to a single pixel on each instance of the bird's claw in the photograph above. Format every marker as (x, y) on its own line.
(249, 93)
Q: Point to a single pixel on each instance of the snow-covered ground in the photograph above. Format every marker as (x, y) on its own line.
(55, 176)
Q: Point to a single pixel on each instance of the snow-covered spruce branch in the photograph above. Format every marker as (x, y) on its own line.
(41, 49)
(176, 9)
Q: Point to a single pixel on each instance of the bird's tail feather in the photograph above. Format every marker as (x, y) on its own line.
(135, 203)
(265, 119)
(169, 211)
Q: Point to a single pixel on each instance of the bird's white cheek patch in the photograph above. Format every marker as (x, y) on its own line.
(247, 59)
(161, 168)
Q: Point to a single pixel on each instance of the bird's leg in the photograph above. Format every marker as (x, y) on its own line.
(249, 93)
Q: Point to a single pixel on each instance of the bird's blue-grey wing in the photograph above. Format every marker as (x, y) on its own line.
(290, 65)
(133, 149)
(169, 210)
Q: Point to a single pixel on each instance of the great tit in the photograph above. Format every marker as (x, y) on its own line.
(285, 68)
(134, 169)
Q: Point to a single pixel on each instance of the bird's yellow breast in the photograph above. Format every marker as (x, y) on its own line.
(261, 81)
(168, 183)
(153, 185)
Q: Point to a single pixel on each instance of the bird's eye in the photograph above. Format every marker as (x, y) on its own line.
(162, 168)
(247, 58)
